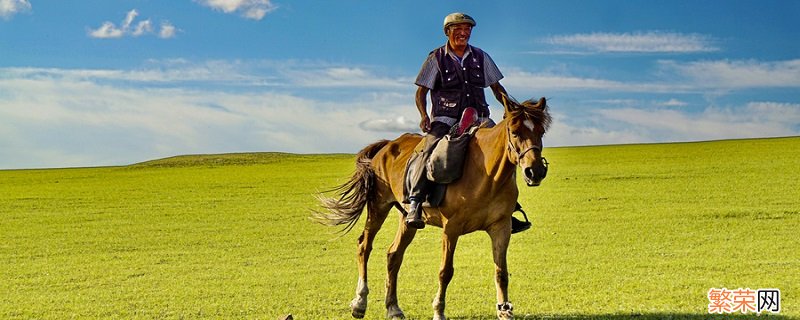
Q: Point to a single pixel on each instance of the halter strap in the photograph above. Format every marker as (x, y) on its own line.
(511, 147)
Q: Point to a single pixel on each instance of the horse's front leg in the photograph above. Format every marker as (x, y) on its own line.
(449, 241)
(394, 259)
(501, 236)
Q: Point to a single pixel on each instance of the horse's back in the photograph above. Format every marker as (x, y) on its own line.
(398, 149)
(389, 163)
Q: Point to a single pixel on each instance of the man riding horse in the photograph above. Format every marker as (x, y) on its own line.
(482, 198)
(455, 74)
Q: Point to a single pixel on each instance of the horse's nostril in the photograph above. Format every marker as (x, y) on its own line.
(529, 173)
(543, 172)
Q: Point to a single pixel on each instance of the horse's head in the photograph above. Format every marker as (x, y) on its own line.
(526, 124)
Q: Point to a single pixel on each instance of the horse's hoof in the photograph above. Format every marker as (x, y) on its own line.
(358, 310)
(394, 313)
(359, 314)
(505, 315)
(439, 317)
(505, 311)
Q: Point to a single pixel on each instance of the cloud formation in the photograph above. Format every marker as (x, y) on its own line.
(8, 8)
(636, 42)
(683, 77)
(754, 119)
(90, 117)
(167, 30)
(673, 103)
(250, 9)
(398, 124)
(735, 74)
(87, 117)
(109, 30)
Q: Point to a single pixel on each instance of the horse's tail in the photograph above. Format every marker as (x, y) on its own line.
(353, 194)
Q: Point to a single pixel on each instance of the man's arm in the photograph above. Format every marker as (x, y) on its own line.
(499, 91)
(422, 107)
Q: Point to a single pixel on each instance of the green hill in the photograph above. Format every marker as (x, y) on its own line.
(619, 231)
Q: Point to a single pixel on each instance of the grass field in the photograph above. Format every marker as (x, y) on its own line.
(619, 231)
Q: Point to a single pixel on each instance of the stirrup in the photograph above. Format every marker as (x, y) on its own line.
(519, 208)
(520, 225)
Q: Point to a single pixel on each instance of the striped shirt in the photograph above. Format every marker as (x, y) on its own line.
(430, 69)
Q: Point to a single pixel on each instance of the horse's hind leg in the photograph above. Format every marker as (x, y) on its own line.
(394, 259)
(376, 215)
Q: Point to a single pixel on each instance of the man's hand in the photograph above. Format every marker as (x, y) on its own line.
(425, 124)
(421, 101)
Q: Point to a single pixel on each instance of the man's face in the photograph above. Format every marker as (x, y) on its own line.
(459, 34)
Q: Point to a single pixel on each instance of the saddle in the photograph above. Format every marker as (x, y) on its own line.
(445, 158)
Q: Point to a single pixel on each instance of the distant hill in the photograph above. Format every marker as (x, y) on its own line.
(232, 159)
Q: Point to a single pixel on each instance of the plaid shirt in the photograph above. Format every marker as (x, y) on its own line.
(430, 69)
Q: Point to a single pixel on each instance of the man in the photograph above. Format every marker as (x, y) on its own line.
(455, 75)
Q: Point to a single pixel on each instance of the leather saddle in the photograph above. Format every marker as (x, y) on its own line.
(436, 191)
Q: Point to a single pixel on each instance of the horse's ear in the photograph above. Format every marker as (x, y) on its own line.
(542, 103)
(509, 104)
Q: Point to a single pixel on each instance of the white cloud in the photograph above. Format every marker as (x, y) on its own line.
(629, 124)
(109, 30)
(143, 27)
(398, 124)
(129, 19)
(250, 9)
(83, 117)
(548, 82)
(343, 77)
(637, 42)
(633, 103)
(754, 120)
(57, 117)
(167, 30)
(737, 74)
(106, 31)
(677, 77)
(286, 75)
(786, 114)
(562, 133)
(8, 8)
(673, 103)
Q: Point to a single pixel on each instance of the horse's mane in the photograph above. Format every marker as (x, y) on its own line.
(529, 108)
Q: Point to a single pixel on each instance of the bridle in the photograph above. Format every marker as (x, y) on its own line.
(510, 144)
(520, 154)
(513, 149)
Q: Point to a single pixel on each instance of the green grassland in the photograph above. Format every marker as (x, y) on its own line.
(619, 231)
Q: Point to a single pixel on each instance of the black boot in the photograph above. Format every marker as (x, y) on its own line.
(414, 216)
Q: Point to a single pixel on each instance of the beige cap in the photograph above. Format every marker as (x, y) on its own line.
(456, 18)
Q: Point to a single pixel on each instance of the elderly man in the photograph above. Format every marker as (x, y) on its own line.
(455, 74)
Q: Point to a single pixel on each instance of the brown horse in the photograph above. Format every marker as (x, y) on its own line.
(482, 199)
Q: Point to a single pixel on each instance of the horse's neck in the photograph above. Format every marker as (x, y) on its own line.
(493, 143)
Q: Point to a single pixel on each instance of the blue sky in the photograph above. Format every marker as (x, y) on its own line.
(98, 82)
